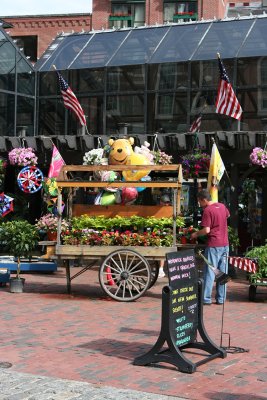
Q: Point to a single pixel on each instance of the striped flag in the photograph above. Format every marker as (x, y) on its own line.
(56, 163)
(70, 100)
(226, 102)
(246, 264)
(216, 172)
(196, 125)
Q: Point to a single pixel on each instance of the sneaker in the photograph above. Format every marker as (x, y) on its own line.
(161, 274)
(218, 303)
(207, 304)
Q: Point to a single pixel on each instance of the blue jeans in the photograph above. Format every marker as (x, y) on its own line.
(218, 257)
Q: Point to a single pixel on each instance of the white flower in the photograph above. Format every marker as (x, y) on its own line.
(93, 157)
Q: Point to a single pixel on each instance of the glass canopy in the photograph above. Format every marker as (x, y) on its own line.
(17, 90)
(151, 45)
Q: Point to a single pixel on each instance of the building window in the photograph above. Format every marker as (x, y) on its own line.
(127, 15)
(28, 45)
(180, 11)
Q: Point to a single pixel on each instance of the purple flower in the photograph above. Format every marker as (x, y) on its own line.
(259, 157)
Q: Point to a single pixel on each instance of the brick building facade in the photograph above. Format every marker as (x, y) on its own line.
(121, 14)
(33, 34)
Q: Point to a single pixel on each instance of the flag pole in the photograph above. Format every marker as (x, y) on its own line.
(88, 133)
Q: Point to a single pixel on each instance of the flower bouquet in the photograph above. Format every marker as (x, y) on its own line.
(22, 156)
(259, 157)
(195, 163)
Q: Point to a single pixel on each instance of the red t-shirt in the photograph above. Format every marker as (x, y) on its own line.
(215, 217)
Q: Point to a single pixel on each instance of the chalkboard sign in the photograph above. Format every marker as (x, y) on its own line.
(183, 282)
(181, 321)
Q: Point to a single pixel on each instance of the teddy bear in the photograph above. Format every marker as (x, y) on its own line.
(121, 153)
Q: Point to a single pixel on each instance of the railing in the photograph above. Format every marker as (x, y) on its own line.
(185, 15)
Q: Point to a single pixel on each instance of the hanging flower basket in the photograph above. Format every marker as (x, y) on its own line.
(22, 156)
(195, 163)
(259, 157)
(161, 158)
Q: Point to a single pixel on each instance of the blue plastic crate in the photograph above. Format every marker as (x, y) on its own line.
(4, 276)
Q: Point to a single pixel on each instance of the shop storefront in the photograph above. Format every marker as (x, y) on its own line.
(142, 82)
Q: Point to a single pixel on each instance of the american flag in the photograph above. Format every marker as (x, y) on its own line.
(70, 100)
(227, 102)
(245, 264)
(196, 125)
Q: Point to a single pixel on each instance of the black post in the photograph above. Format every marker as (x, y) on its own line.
(195, 203)
(264, 200)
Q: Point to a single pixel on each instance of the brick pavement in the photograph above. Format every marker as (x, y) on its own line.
(88, 338)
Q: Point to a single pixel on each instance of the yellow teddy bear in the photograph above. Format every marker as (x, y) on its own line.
(121, 153)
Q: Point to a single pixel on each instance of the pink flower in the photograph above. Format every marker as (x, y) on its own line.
(22, 156)
(259, 157)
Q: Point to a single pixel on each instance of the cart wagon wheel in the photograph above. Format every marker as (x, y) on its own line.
(125, 275)
(252, 292)
(154, 267)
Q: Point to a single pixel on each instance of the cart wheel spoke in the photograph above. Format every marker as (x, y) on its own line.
(140, 281)
(134, 287)
(125, 275)
(113, 269)
(115, 263)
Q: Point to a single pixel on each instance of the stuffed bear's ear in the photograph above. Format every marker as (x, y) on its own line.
(131, 140)
(111, 141)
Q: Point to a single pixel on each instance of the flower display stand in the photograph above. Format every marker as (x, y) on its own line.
(132, 268)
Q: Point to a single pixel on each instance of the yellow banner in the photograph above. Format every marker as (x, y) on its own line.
(216, 172)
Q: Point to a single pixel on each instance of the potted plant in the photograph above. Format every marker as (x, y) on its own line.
(19, 239)
(48, 224)
(234, 242)
(185, 234)
(258, 253)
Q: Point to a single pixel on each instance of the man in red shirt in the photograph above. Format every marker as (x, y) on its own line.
(214, 223)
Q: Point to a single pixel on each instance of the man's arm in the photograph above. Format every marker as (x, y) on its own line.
(201, 232)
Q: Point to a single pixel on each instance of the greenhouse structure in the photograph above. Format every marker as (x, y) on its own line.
(143, 82)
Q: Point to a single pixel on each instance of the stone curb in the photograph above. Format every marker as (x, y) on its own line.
(21, 386)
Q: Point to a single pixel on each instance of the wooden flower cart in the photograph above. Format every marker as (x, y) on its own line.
(125, 273)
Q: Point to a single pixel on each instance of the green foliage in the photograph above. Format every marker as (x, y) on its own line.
(247, 195)
(233, 238)
(260, 254)
(123, 223)
(18, 238)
